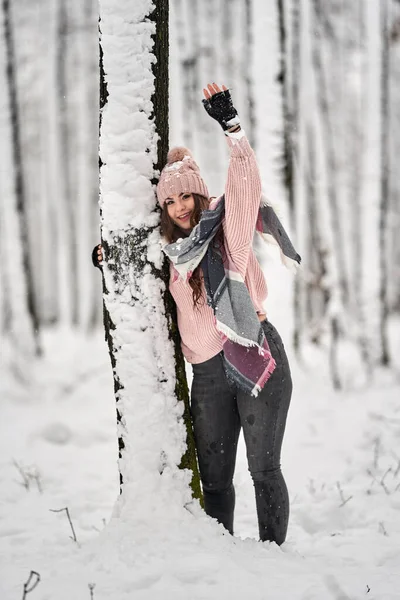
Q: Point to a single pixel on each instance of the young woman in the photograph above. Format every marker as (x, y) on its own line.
(241, 375)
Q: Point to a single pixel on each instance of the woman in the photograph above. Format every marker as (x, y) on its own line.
(241, 375)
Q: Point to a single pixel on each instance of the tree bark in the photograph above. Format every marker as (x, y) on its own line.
(248, 72)
(19, 183)
(298, 289)
(385, 188)
(129, 266)
(322, 23)
(66, 158)
(286, 109)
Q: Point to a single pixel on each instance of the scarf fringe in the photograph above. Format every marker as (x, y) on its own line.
(264, 377)
(233, 336)
(237, 339)
(289, 263)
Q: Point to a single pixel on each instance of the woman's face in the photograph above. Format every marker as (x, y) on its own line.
(180, 207)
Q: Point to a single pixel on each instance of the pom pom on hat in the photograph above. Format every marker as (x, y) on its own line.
(178, 153)
(181, 174)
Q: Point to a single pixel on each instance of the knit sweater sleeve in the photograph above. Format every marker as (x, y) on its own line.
(242, 201)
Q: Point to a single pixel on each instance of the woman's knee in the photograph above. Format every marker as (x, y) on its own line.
(217, 481)
(270, 473)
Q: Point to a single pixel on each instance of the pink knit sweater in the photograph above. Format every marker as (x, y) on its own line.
(200, 338)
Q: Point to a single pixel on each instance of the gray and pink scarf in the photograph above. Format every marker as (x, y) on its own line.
(247, 357)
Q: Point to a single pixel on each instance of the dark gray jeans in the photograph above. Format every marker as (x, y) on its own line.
(219, 411)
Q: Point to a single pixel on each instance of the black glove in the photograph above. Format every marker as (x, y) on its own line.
(95, 259)
(220, 107)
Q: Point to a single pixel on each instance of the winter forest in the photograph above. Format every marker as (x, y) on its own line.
(100, 495)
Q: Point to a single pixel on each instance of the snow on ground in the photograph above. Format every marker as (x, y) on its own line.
(341, 459)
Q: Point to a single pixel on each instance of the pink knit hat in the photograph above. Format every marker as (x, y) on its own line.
(181, 174)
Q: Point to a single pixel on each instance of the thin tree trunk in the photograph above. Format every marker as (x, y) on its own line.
(187, 58)
(19, 183)
(298, 289)
(192, 70)
(356, 192)
(66, 157)
(385, 174)
(248, 72)
(289, 73)
(330, 153)
(209, 148)
(286, 109)
(319, 286)
(287, 117)
(320, 292)
(92, 94)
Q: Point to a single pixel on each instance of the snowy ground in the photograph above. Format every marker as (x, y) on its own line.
(341, 460)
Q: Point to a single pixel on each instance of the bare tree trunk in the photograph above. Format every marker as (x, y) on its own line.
(248, 72)
(188, 63)
(191, 68)
(286, 108)
(296, 69)
(91, 102)
(289, 76)
(320, 21)
(129, 262)
(19, 183)
(66, 157)
(320, 293)
(385, 174)
(394, 220)
(295, 125)
(319, 286)
(357, 123)
(208, 64)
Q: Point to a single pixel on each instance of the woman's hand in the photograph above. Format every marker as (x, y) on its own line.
(97, 256)
(218, 104)
(212, 89)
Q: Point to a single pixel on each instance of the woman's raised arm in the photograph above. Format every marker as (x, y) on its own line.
(243, 186)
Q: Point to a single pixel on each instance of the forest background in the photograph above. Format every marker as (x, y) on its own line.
(317, 87)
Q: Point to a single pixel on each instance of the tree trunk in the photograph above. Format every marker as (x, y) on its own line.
(187, 58)
(139, 314)
(19, 183)
(65, 163)
(320, 22)
(385, 174)
(298, 289)
(248, 72)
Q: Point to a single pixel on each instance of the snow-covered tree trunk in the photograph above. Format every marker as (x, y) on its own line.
(133, 147)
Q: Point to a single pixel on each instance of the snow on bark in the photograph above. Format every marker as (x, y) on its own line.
(151, 427)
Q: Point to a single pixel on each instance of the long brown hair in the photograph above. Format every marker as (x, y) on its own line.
(172, 232)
